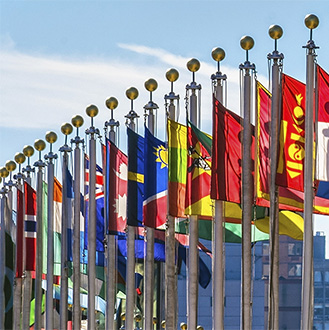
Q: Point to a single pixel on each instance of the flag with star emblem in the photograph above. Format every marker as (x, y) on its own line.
(156, 181)
(197, 200)
(117, 176)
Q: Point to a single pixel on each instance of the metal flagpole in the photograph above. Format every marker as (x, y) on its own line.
(247, 187)
(311, 22)
(63, 307)
(111, 254)
(17, 304)
(28, 151)
(218, 268)
(150, 108)
(39, 145)
(92, 112)
(77, 121)
(275, 32)
(3, 174)
(51, 137)
(193, 256)
(132, 94)
(171, 305)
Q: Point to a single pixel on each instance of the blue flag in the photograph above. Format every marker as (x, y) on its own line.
(135, 179)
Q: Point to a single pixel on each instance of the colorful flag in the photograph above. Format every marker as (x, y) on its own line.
(290, 171)
(30, 226)
(99, 205)
(117, 178)
(227, 154)
(19, 233)
(197, 201)
(177, 168)
(155, 181)
(57, 226)
(135, 179)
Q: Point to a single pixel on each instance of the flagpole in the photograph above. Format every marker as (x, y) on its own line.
(246, 43)
(17, 304)
(193, 257)
(28, 151)
(171, 305)
(151, 85)
(63, 307)
(132, 94)
(3, 174)
(92, 112)
(77, 121)
(111, 254)
(275, 32)
(311, 22)
(51, 137)
(39, 145)
(218, 260)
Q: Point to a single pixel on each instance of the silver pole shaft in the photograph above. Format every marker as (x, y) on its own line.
(246, 204)
(218, 260)
(193, 255)
(170, 269)
(273, 289)
(76, 240)
(50, 249)
(27, 281)
(38, 266)
(149, 259)
(111, 267)
(92, 234)
(307, 279)
(2, 259)
(64, 275)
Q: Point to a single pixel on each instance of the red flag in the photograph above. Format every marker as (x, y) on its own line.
(19, 233)
(290, 171)
(227, 154)
(30, 226)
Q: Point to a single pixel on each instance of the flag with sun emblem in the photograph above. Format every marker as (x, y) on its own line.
(155, 181)
(197, 201)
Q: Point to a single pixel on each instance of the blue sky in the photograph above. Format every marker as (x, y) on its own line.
(57, 57)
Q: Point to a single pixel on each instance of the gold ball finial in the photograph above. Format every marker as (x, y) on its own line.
(247, 42)
(151, 85)
(199, 327)
(28, 151)
(172, 75)
(19, 158)
(218, 54)
(193, 65)
(4, 172)
(275, 32)
(123, 316)
(10, 165)
(155, 320)
(66, 128)
(183, 326)
(92, 111)
(132, 93)
(138, 317)
(311, 21)
(77, 121)
(39, 145)
(111, 103)
(163, 324)
(51, 137)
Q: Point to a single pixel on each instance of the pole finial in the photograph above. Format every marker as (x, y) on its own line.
(77, 121)
(111, 103)
(39, 145)
(193, 65)
(92, 111)
(275, 32)
(4, 172)
(218, 54)
(311, 21)
(132, 93)
(28, 151)
(172, 75)
(247, 43)
(51, 137)
(19, 158)
(66, 128)
(10, 165)
(151, 85)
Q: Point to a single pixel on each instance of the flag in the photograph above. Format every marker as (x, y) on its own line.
(177, 168)
(99, 206)
(155, 181)
(57, 226)
(289, 199)
(117, 178)
(290, 171)
(227, 154)
(197, 201)
(135, 179)
(322, 169)
(19, 233)
(30, 226)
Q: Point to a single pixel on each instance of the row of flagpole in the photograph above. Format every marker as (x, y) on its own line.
(218, 261)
